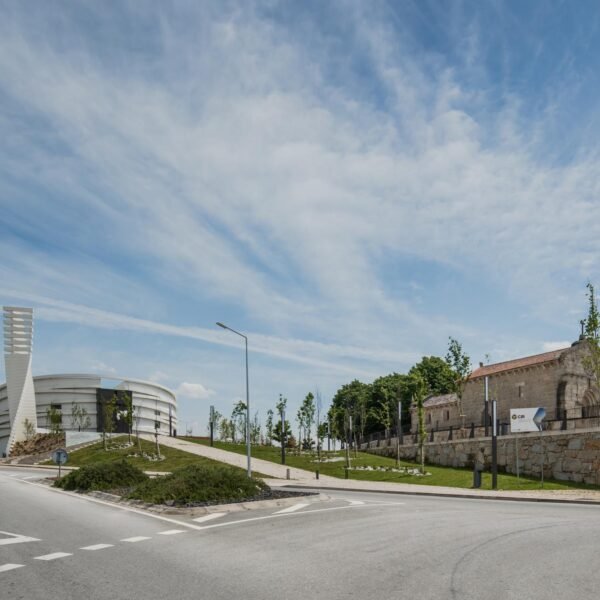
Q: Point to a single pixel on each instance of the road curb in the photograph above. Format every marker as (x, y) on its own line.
(451, 495)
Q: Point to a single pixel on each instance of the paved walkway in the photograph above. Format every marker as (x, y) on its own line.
(302, 478)
(264, 467)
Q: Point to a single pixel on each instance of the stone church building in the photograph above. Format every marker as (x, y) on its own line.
(556, 380)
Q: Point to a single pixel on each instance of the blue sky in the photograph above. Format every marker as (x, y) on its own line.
(349, 183)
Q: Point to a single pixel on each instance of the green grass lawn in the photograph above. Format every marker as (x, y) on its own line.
(174, 459)
(442, 476)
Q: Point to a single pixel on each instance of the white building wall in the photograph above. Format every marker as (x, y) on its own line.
(18, 335)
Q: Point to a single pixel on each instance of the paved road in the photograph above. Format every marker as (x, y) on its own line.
(354, 545)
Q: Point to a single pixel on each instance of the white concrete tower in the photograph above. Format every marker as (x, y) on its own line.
(18, 336)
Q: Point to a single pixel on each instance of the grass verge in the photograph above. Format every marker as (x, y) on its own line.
(440, 476)
(173, 459)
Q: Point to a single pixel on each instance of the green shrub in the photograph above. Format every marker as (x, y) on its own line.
(102, 476)
(200, 484)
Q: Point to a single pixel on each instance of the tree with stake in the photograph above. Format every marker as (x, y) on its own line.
(417, 389)
(460, 363)
(79, 417)
(269, 427)
(108, 414)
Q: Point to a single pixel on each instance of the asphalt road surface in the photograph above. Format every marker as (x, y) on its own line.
(353, 545)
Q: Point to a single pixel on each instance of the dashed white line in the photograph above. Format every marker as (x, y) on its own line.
(53, 556)
(32, 477)
(209, 517)
(290, 509)
(133, 540)
(355, 502)
(9, 567)
(97, 547)
(171, 532)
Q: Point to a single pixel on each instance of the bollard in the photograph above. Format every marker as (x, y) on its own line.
(287, 474)
(476, 477)
(317, 473)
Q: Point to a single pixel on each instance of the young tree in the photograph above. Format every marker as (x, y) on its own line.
(108, 414)
(54, 420)
(255, 429)
(238, 418)
(138, 419)
(288, 433)
(29, 429)
(269, 427)
(79, 417)
(460, 363)
(416, 389)
(308, 409)
(591, 362)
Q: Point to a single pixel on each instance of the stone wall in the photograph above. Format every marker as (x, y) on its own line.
(564, 455)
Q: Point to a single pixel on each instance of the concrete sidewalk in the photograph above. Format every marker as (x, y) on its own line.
(302, 478)
(264, 467)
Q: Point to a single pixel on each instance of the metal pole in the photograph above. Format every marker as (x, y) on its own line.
(212, 425)
(282, 436)
(494, 448)
(485, 406)
(398, 434)
(517, 455)
(248, 448)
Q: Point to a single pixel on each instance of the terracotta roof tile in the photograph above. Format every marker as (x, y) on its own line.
(517, 363)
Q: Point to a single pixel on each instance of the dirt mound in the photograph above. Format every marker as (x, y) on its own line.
(40, 443)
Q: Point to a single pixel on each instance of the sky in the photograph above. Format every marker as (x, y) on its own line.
(347, 183)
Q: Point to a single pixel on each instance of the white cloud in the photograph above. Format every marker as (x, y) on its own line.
(194, 391)
(98, 366)
(550, 346)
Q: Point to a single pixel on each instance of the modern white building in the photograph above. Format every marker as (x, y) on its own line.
(20, 411)
(154, 406)
(75, 402)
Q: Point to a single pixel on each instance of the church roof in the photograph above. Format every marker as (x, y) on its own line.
(440, 400)
(517, 363)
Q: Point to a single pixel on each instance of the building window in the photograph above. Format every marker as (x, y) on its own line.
(429, 418)
(446, 415)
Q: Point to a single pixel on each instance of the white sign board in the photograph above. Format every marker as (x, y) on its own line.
(526, 419)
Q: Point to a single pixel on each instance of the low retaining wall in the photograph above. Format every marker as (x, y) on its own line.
(563, 455)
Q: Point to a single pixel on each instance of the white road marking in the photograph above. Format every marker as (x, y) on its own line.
(97, 547)
(209, 517)
(279, 516)
(171, 532)
(133, 540)
(290, 509)
(15, 538)
(354, 502)
(52, 556)
(32, 477)
(9, 567)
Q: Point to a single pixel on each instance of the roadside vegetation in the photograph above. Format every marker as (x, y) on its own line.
(200, 484)
(102, 476)
(370, 467)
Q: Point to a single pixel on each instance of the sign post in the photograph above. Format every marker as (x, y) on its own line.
(60, 457)
(494, 447)
(527, 420)
(212, 425)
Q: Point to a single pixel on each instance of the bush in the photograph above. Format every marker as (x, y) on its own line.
(200, 484)
(102, 476)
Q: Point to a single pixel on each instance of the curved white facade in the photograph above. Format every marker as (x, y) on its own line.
(156, 404)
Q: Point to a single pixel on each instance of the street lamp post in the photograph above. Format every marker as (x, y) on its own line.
(247, 398)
